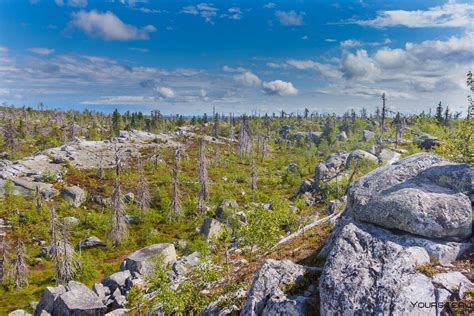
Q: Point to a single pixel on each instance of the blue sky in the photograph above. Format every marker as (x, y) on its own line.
(237, 56)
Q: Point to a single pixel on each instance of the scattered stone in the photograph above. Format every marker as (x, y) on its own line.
(212, 228)
(453, 281)
(360, 154)
(293, 167)
(368, 135)
(142, 261)
(389, 156)
(74, 195)
(19, 312)
(427, 141)
(116, 280)
(71, 221)
(91, 242)
(129, 198)
(336, 206)
(342, 136)
(226, 208)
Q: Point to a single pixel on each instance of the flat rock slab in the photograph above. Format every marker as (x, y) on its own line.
(423, 194)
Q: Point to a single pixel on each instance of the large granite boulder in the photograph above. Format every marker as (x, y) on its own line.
(116, 280)
(371, 271)
(74, 299)
(91, 242)
(74, 195)
(78, 300)
(23, 186)
(267, 294)
(143, 260)
(423, 194)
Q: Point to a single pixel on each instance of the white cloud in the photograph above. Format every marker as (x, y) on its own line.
(121, 99)
(350, 43)
(279, 87)
(72, 3)
(358, 66)
(141, 50)
(41, 50)
(390, 58)
(451, 14)
(330, 40)
(3, 49)
(108, 26)
(166, 93)
(235, 13)
(269, 5)
(205, 10)
(230, 69)
(149, 28)
(304, 37)
(248, 79)
(290, 18)
(273, 65)
(326, 70)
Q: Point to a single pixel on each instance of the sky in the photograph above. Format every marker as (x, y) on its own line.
(188, 57)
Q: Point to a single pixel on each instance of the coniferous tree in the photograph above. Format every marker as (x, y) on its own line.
(439, 113)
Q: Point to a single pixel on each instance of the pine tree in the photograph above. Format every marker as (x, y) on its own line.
(116, 123)
(20, 269)
(203, 177)
(439, 113)
(119, 226)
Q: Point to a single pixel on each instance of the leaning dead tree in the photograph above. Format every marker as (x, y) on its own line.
(4, 262)
(143, 191)
(245, 138)
(203, 177)
(20, 268)
(119, 225)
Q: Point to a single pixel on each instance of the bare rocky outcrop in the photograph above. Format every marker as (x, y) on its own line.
(269, 295)
(398, 218)
(423, 195)
(74, 195)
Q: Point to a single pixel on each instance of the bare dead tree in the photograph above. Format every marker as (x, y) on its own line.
(203, 177)
(216, 126)
(253, 176)
(68, 263)
(119, 164)
(176, 210)
(4, 259)
(143, 191)
(20, 268)
(10, 135)
(100, 169)
(119, 226)
(179, 155)
(245, 138)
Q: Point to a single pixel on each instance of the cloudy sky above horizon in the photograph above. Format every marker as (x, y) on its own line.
(237, 56)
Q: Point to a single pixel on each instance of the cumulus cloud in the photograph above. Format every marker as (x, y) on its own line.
(165, 92)
(108, 26)
(205, 10)
(359, 66)
(390, 58)
(350, 43)
(279, 87)
(248, 79)
(41, 50)
(234, 13)
(290, 18)
(231, 69)
(451, 14)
